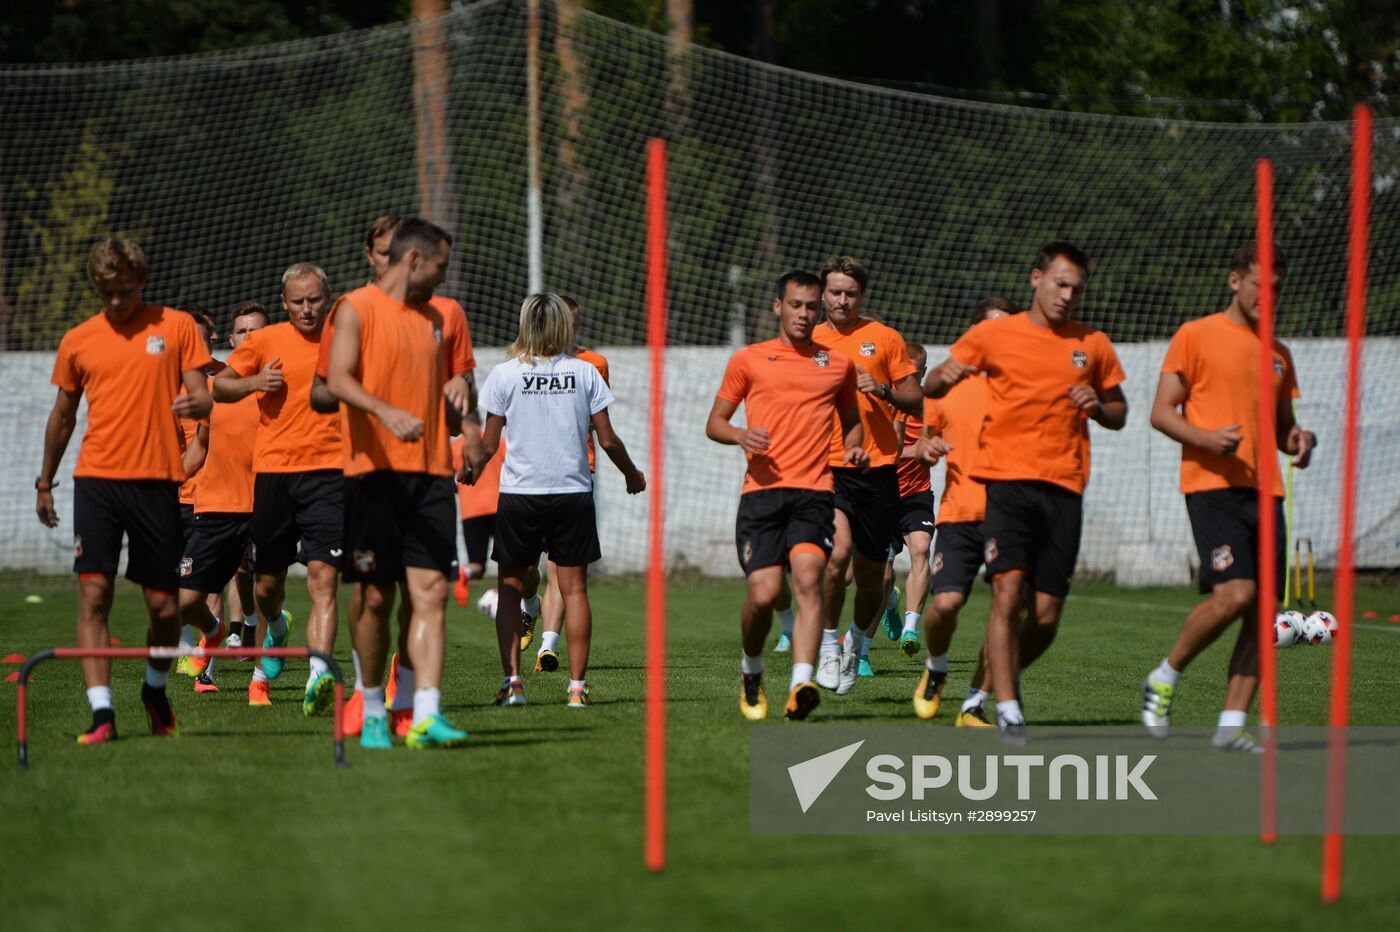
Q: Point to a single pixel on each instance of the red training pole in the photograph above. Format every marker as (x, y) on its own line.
(1340, 711)
(1267, 470)
(656, 572)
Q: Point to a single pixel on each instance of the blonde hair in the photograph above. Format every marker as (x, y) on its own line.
(546, 329)
(112, 259)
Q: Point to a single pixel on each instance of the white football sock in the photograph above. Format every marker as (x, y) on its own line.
(801, 673)
(156, 679)
(531, 606)
(549, 641)
(427, 702)
(99, 697)
(374, 702)
(1009, 713)
(359, 677)
(751, 665)
(937, 664)
(1232, 719)
(278, 627)
(831, 644)
(259, 676)
(188, 635)
(1164, 674)
(911, 621)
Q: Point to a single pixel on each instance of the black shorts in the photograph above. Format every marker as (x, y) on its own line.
(298, 508)
(956, 558)
(187, 520)
(219, 543)
(1225, 524)
(915, 514)
(565, 526)
(394, 520)
(1033, 527)
(870, 500)
(147, 511)
(770, 522)
(477, 532)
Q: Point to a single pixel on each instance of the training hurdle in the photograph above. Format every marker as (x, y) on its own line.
(158, 653)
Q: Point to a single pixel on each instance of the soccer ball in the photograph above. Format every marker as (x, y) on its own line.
(1285, 633)
(1329, 619)
(1316, 629)
(487, 603)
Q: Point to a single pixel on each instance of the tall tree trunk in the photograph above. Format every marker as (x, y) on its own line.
(431, 74)
(681, 16)
(765, 49)
(573, 98)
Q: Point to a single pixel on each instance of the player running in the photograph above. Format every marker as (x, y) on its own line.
(545, 400)
(866, 497)
(388, 364)
(297, 477)
(130, 359)
(220, 539)
(1048, 375)
(915, 521)
(954, 425)
(792, 390)
(1208, 401)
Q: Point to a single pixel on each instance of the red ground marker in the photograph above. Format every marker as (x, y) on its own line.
(13, 677)
(13, 658)
(1376, 615)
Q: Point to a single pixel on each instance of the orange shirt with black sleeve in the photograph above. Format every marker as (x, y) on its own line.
(403, 363)
(957, 418)
(1032, 431)
(793, 394)
(879, 352)
(226, 481)
(131, 373)
(1218, 360)
(481, 497)
(913, 475)
(597, 361)
(291, 436)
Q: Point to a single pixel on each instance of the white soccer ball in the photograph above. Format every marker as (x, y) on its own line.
(1329, 619)
(1285, 634)
(1316, 629)
(1294, 620)
(487, 603)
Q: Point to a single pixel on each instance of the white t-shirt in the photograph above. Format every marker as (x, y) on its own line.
(547, 407)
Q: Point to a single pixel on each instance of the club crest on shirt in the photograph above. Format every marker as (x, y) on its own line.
(1221, 558)
(989, 550)
(187, 566)
(1079, 358)
(937, 563)
(77, 545)
(748, 551)
(363, 560)
(155, 345)
(822, 358)
(867, 349)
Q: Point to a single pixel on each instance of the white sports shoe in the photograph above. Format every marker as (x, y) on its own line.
(233, 640)
(829, 671)
(1157, 707)
(850, 672)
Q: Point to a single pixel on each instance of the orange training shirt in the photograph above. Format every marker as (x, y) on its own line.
(957, 418)
(456, 335)
(403, 363)
(1218, 360)
(226, 481)
(913, 475)
(597, 361)
(793, 394)
(131, 373)
(1032, 431)
(291, 436)
(878, 351)
(481, 497)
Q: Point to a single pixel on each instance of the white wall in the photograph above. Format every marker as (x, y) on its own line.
(1135, 519)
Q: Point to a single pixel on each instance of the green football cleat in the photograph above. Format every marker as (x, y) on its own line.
(272, 666)
(909, 643)
(864, 668)
(784, 645)
(435, 732)
(890, 617)
(374, 733)
(320, 693)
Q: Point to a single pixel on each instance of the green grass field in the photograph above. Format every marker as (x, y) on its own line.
(243, 821)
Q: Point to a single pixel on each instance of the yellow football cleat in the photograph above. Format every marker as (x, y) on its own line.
(753, 704)
(928, 694)
(527, 630)
(546, 661)
(973, 718)
(801, 701)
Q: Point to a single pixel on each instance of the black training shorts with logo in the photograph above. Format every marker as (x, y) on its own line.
(1225, 524)
(1033, 527)
(869, 498)
(395, 520)
(298, 508)
(956, 556)
(563, 525)
(147, 511)
(770, 522)
(915, 514)
(218, 544)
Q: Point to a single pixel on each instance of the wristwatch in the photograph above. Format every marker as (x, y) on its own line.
(41, 486)
(886, 393)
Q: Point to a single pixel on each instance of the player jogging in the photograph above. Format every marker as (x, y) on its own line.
(545, 400)
(1208, 401)
(915, 520)
(389, 368)
(792, 390)
(1048, 375)
(867, 497)
(131, 360)
(955, 422)
(299, 514)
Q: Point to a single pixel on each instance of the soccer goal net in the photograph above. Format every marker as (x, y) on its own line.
(230, 166)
